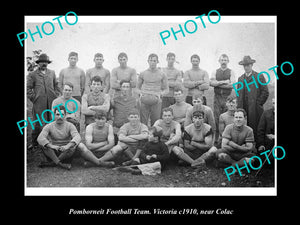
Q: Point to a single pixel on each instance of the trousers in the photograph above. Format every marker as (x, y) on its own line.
(150, 111)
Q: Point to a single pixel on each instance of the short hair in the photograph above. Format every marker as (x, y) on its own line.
(61, 108)
(73, 54)
(122, 54)
(168, 109)
(96, 79)
(230, 98)
(69, 84)
(153, 55)
(195, 56)
(224, 56)
(98, 55)
(170, 54)
(198, 95)
(133, 111)
(196, 108)
(156, 131)
(178, 88)
(241, 110)
(100, 114)
(197, 113)
(124, 81)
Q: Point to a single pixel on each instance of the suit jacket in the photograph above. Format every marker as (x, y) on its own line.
(42, 90)
(252, 101)
(266, 126)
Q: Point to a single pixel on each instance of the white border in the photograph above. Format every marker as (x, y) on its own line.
(154, 191)
(153, 19)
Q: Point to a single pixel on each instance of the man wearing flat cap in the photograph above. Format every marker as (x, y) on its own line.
(42, 89)
(252, 101)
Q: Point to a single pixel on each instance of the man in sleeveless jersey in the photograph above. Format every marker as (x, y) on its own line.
(100, 71)
(174, 80)
(73, 74)
(196, 80)
(152, 83)
(170, 128)
(123, 72)
(197, 142)
(132, 136)
(222, 80)
(94, 101)
(99, 135)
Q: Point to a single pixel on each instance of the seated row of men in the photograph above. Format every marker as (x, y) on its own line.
(119, 107)
(136, 144)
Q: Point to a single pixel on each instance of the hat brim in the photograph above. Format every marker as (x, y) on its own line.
(38, 61)
(247, 62)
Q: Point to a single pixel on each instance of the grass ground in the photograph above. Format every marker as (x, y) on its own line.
(172, 176)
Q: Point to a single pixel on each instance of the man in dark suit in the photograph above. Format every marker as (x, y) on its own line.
(265, 129)
(253, 97)
(42, 89)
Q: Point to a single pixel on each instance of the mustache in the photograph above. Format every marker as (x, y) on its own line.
(43, 66)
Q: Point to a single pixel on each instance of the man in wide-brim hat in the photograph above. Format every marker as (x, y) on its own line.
(43, 58)
(252, 101)
(247, 60)
(42, 89)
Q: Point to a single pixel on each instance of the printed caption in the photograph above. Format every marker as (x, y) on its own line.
(156, 211)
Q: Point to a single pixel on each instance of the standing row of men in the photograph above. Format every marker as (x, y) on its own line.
(157, 89)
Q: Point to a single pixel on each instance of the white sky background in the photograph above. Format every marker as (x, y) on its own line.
(139, 36)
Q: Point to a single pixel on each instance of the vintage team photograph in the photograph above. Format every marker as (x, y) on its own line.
(149, 105)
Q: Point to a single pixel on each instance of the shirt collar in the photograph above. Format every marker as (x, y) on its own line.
(40, 71)
(238, 128)
(248, 74)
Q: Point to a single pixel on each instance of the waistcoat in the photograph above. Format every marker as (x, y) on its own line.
(222, 75)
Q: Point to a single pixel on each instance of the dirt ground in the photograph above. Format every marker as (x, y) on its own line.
(172, 176)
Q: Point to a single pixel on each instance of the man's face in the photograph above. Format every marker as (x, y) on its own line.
(239, 119)
(153, 61)
(73, 60)
(134, 119)
(171, 60)
(59, 119)
(197, 101)
(100, 122)
(195, 62)
(223, 61)
(179, 97)
(125, 88)
(98, 61)
(198, 120)
(231, 105)
(248, 68)
(123, 61)
(67, 91)
(96, 86)
(43, 65)
(167, 117)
